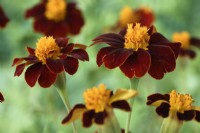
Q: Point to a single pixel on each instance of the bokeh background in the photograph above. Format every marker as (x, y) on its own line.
(38, 110)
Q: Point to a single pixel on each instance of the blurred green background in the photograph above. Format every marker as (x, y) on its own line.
(38, 110)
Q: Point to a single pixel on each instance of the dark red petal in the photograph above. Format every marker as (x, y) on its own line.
(197, 117)
(1, 97)
(31, 51)
(67, 49)
(195, 42)
(32, 73)
(80, 54)
(155, 97)
(17, 61)
(58, 29)
(162, 61)
(36, 10)
(62, 42)
(175, 47)
(69, 116)
(47, 78)
(54, 66)
(137, 64)
(187, 115)
(117, 57)
(123, 32)
(102, 53)
(3, 18)
(19, 69)
(163, 110)
(187, 52)
(87, 118)
(157, 38)
(74, 19)
(100, 117)
(121, 104)
(70, 65)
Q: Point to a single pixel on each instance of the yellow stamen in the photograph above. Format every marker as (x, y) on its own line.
(180, 102)
(97, 98)
(56, 10)
(126, 16)
(136, 37)
(46, 47)
(183, 38)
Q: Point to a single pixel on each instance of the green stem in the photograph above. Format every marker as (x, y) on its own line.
(133, 85)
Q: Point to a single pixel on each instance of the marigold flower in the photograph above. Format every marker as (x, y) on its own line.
(137, 50)
(51, 57)
(56, 18)
(99, 103)
(1, 97)
(3, 18)
(186, 42)
(174, 104)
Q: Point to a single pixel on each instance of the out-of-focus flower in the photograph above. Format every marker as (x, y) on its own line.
(99, 104)
(3, 18)
(51, 57)
(186, 43)
(56, 18)
(137, 50)
(1, 97)
(174, 105)
(143, 15)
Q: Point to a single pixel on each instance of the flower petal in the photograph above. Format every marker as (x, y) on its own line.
(197, 117)
(17, 61)
(157, 99)
(54, 66)
(195, 42)
(74, 114)
(121, 104)
(59, 29)
(137, 64)
(63, 42)
(117, 57)
(36, 10)
(19, 69)
(187, 52)
(100, 117)
(187, 115)
(163, 110)
(162, 61)
(1, 97)
(70, 65)
(31, 51)
(87, 118)
(32, 73)
(80, 54)
(3, 18)
(122, 94)
(47, 78)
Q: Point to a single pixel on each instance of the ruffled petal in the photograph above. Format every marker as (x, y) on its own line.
(70, 65)
(63, 42)
(137, 64)
(157, 99)
(74, 114)
(19, 69)
(80, 54)
(58, 29)
(100, 117)
(54, 66)
(187, 115)
(87, 118)
(36, 10)
(121, 104)
(163, 110)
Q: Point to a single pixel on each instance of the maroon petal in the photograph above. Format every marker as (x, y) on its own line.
(32, 73)
(80, 54)
(137, 64)
(195, 42)
(54, 66)
(58, 29)
(163, 110)
(155, 97)
(3, 18)
(197, 117)
(87, 118)
(62, 42)
(1, 97)
(162, 61)
(187, 52)
(70, 65)
(100, 117)
(17, 61)
(187, 115)
(157, 38)
(36, 10)
(117, 57)
(31, 51)
(121, 104)
(19, 69)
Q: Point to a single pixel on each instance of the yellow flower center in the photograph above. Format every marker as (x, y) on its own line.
(180, 102)
(183, 38)
(56, 10)
(97, 98)
(136, 37)
(127, 16)
(46, 47)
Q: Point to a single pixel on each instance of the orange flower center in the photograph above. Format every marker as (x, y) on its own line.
(97, 98)
(180, 102)
(56, 10)
(46, 47)
(183, 38)
(136, 37)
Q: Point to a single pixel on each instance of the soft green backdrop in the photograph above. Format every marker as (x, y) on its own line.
(38, 110)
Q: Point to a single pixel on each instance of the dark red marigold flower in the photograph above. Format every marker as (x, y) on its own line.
(3, 18)
(56, 18)
(174, 105)
(1, 97)
(51, 57)
(186, 43)
(137, 50)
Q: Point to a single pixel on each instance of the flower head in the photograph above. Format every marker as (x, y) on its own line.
(174, 104)
(51, 57)
(137, 50)
(56, 18)
(3, 18)
(99, 103)
(1, 97)
(186, 42)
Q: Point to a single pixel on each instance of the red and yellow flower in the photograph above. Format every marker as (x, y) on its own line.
(99, 104)
(56, 18)
(186, 43)
(1, 97)
(137, 50)
(51, 57)
(3, 18)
